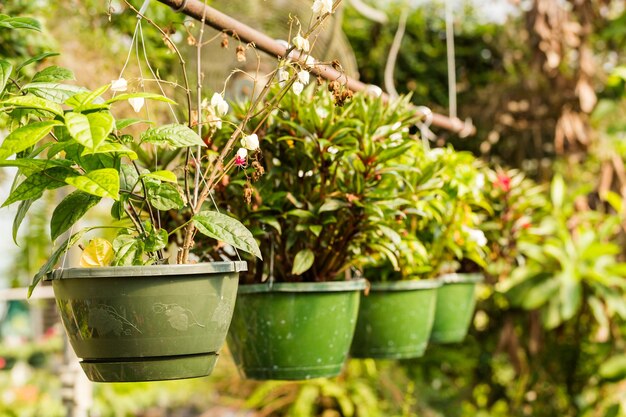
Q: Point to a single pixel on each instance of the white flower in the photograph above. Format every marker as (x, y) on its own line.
(250, 142)
(475, 235)
(137, 103)
(283, 74)
(322, 6)
(480, 181)
(301, 43)
(242, 153)
(332, 150)
(221, 106)
(304, 77)
(297, 88)
(119, 85)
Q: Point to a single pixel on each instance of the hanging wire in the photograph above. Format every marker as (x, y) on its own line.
(451, 58)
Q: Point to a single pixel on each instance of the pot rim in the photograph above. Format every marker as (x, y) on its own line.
(407, 285)
(147, 270)
(462, 278)
(303, 287)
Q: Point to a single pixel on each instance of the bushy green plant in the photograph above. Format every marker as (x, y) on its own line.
(332, 179)
(575, 264)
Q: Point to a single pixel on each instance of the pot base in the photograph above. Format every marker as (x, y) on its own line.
(150, 369)
(293, 374)
(407, 352)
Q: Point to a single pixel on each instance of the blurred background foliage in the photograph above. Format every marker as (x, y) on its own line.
(544, 87)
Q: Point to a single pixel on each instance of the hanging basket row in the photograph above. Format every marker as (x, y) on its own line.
(169, 322)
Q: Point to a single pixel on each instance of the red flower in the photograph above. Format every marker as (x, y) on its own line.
(503, 182)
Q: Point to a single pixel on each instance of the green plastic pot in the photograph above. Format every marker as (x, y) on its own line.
(456, 300)
(395, 320)
(293, 331)
(147, 323)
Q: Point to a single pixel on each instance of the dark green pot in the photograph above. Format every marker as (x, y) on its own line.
(395, 320)
(147, 323)
(456, 300)
(294, 331)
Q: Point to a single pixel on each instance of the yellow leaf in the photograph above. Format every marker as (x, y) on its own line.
(99, 252)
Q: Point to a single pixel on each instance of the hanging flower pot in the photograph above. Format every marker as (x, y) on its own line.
(455, 307)
(147, 323)
(395, 320)
(294, 331)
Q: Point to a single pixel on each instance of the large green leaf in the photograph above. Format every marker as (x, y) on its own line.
(33, 186)
(53, 73)
(114, 148)
(222, 227)
(10, 22)
(30, 101)
(303, 261)
(150, 96)
(20, 216)
(102, 183)
(25, 137)
(90, 130)
(174, 135)
(54, 258)
(5, 73)
(70, 210)
(31, 166)
(90, 100)
(164, 175)
(164, 197)
(36, 58)
(614, 368)
(56, 92)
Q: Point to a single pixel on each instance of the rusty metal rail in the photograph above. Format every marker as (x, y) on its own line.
(233, 27)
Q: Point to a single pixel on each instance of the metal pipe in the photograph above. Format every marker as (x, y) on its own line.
(220, 21)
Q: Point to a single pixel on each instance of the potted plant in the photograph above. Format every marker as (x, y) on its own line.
(329, 184)
(129, 314)
(397, 312)
(458, 247)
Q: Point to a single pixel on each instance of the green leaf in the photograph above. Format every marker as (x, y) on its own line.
(55, 92)
(69, 211)
(222, 227)
(54, 258)
(89, 130)
(174, 135)
(102, 183)
(156, 240)
(5, 73)
(33, 186)
(316, 229)
(302, 214)
(557, 191)
(85, 101)
(149, 96)
(53, 73)
(36, 58)
(164, 175)
(9, 22)
(128, 178)
(25, 137)
(31, 166)
(115, 148)
(128, 250)
(22, 210)
(302, 262)
(614, 368)
(164, 197)
(124, 123)
(331, 205)
(30, 101)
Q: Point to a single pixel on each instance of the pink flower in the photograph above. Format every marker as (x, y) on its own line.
(241, 159)
(503, 182)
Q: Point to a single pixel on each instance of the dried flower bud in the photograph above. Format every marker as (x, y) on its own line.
(224, 43)
(241, 53)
